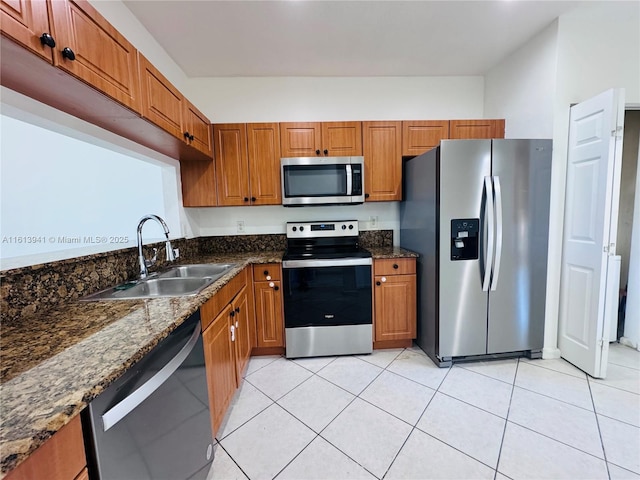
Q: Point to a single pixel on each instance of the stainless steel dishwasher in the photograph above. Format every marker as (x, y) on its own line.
(154, 421)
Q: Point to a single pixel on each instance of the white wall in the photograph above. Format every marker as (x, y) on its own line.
(521, 87)
(228, 100)
(62, 177)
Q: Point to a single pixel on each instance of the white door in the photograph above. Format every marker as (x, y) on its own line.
(590, 228)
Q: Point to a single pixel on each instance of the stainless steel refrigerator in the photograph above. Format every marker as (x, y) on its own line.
(477, 212)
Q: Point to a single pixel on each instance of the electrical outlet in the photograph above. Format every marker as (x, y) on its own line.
(373, 221)
(240, 226)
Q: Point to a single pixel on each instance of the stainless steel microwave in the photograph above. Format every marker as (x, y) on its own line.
(322, 181)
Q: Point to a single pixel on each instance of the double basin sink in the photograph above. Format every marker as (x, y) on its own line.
(177, 281)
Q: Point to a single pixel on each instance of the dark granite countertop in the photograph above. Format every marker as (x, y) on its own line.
(54, 364)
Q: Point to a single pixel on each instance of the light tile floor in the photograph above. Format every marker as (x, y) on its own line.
(395, 415)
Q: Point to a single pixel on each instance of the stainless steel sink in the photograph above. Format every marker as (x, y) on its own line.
(178, 281)
(198, 270)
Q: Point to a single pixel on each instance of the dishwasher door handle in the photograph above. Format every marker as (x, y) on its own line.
(120, 410)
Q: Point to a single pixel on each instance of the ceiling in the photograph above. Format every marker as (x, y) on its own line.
(343, 38)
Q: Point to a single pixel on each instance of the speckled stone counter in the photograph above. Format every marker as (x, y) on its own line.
(391, 252)
(54, 364)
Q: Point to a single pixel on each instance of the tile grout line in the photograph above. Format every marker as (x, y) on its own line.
(595, 413)
(506, 420)
(233, 460)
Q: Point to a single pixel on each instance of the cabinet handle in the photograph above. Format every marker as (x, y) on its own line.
(233, 314)
(395, 266)
(366, 195)
(68, 54)
(186, 135)
(253, 199)
(246, 199)
(383, 279)
(378, 283)
(326, 152)
(266, 272)
(237, 309)
(191, 137)
(47, 40)
(317, 152)
(276, 288)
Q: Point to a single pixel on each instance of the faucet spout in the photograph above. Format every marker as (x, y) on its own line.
(145, 264)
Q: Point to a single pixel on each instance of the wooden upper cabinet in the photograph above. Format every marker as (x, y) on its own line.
(263, 145)
(382, 148)
(342, 139)
(469, 129)
(162, 103)
(300, 139)
(419, 136)
(313, 139)
(90, 48)
(198, 128)
(26, 21)
(230, 144)
(198, 183)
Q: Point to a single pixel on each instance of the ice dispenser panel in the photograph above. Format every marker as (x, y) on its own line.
(464, 238)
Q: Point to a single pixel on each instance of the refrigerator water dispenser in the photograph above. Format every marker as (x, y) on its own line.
(464, 238)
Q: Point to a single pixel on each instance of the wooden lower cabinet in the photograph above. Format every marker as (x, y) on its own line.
(242, 313)
(62, 457)
(395, 300)
(269, 309)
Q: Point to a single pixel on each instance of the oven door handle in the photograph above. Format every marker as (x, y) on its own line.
(335, 262)
(126, 405)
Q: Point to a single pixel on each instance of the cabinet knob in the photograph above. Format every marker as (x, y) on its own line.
(68, 54)
(237, 309)
(246, 199)
(326, 152)
(233, 314)
(395, 266)
(276, 288)
(366, 195)
(191, 137)
(266, 272)
(47, 40)
(317, 152)
(186, 135)
(271, 284)
(378, 283)
(253, 199)
(383, 279)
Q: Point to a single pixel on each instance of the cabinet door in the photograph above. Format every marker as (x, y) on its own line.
(342, 139)
(232, 175)
(219, 356)
(269, 318)
(300, 139)
(198, 127)
(25, 21)
(468, 129)
(263, 145)
(395, 307)
(103, 57)
(418, 136)
(382, 161)
(162, 103)
(241, 315)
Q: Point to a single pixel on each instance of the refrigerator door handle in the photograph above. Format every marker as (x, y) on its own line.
(498, 259)
(488, 188)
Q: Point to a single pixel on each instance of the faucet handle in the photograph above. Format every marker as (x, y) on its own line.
(152, 261)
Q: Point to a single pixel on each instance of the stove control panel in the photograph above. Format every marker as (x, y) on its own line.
(340, 228)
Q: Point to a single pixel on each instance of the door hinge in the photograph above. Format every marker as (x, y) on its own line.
(601, 342)
(610, 249)
(618, 132)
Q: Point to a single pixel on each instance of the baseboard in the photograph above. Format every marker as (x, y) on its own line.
(549, 353)
(260, 351)
(392, 344)
(628, 342)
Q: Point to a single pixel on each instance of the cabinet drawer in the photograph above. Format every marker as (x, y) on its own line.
(394, 266)
(260, 272)
(222, 298)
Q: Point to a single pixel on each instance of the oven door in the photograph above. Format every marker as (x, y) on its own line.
(319, 293)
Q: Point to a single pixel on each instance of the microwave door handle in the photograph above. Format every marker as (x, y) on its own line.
(349, 180)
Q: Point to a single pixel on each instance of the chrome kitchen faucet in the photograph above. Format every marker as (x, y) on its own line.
(144, 263)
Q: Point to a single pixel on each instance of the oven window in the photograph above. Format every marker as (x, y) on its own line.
(327, 296)
(315, 180)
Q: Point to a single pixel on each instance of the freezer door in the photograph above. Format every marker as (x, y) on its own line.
(464, 164)
(522, 169)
